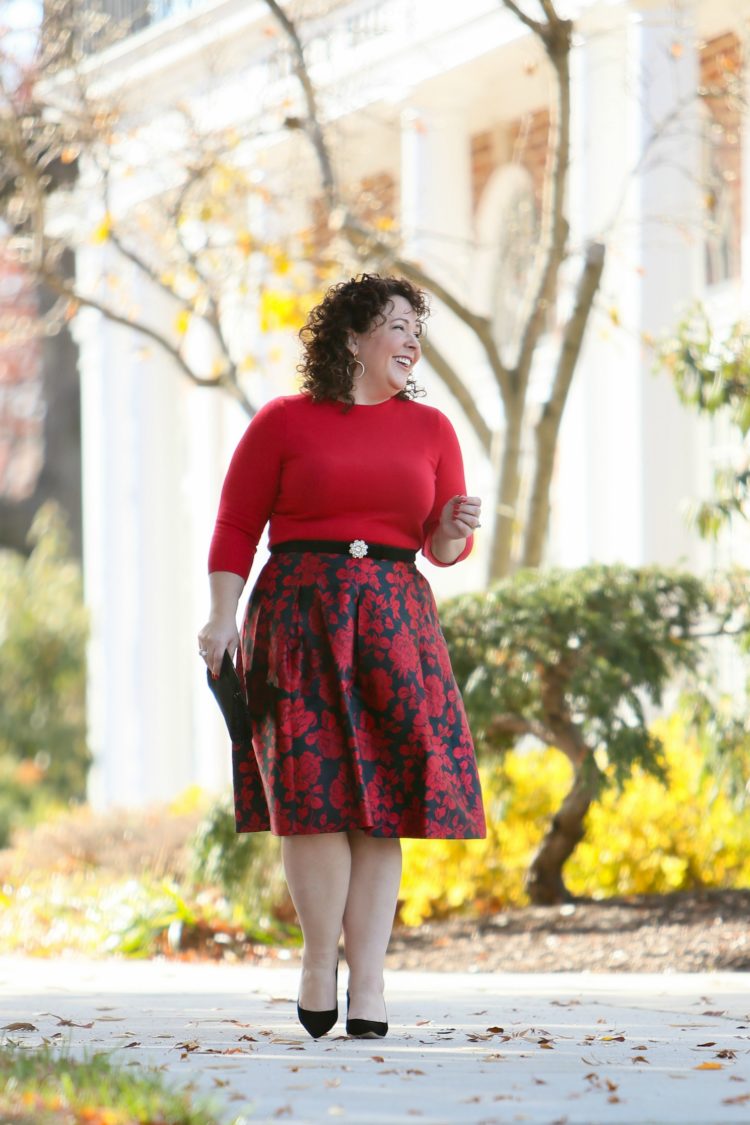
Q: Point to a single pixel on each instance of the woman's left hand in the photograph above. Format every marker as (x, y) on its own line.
(460, 517)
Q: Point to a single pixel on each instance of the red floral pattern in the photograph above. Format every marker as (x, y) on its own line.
(357, 719)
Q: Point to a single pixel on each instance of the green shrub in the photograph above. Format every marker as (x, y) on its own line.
(245, 866)
(44, 759)
(652, 836)
(574, 660)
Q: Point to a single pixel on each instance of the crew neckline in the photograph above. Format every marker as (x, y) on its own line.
(372, 405)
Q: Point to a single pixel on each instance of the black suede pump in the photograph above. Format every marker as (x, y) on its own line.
(364, 1029)
(318, 1023)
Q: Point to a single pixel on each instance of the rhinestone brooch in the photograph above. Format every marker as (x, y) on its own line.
(358, 548)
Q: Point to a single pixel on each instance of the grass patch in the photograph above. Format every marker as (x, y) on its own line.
(43, 1087)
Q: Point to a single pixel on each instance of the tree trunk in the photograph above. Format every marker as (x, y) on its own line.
(544, 881)
(506, 518)
(60, 475)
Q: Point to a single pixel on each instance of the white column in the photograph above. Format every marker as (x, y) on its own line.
(213, 426)
(436, 218)
(436, 190)
(137, 566)
(633, 183)
(745, 260)
(671, 255)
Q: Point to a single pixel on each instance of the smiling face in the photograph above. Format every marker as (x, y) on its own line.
(389, 352)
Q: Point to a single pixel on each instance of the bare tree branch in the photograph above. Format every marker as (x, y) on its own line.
(312, 124)
(363, 237)
(460, 392)
(532, 24)
(212, 315)
(549, 10)
(64, 288)
(554, 230)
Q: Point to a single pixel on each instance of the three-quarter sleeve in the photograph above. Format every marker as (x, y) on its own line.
(249, 492)
(449, 481)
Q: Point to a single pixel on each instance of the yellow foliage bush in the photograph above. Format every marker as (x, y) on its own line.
(647, 838)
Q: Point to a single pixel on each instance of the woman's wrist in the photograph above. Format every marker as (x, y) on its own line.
(226, 588)
(444, 549)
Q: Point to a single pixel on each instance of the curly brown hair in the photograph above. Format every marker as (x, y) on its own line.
(356, 305)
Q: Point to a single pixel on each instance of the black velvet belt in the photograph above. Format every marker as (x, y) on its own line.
(356, 548)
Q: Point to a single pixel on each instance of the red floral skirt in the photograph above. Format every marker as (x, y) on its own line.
(357, 720)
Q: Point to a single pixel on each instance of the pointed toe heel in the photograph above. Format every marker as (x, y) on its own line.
(318, 1023)
(364, 1029)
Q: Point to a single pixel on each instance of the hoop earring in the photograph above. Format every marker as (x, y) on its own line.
(356, 374)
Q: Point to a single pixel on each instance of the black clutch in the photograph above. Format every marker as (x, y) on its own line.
(231, 699)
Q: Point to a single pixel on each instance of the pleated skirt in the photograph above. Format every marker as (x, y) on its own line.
(356, 717)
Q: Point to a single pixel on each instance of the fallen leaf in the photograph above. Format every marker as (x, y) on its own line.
(706, 1044)
(191, 1045)
(739, 1099)
(283, 1111)
(496, 1030)
(640, 1059)
(377, 1058)
(613, 1038)
(20, 1025)
(63, 1022)
(714, 1013)
(709, 1066)
(726, 1053)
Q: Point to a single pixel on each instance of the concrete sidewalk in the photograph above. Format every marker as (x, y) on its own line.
(479, 1049)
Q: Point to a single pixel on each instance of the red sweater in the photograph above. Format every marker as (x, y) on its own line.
(316, 470)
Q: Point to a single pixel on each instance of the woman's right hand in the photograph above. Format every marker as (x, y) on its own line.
(216, 637)
(219, 634)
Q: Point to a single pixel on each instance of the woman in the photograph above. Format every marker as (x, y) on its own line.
(359, 733)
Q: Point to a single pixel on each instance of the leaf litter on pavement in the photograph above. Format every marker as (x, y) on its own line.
(615, 1053)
